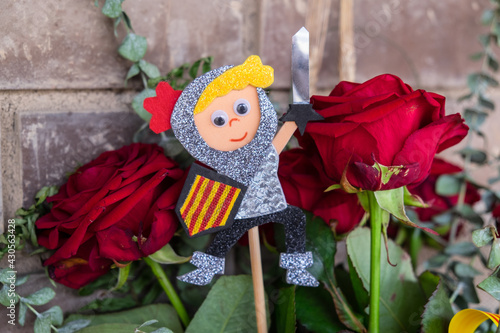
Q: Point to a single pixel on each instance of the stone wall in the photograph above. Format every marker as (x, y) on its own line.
(63, 100)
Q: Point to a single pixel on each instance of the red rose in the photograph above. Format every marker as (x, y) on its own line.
(439, 203)
(304, 186)
(119, 207)
(380, 121)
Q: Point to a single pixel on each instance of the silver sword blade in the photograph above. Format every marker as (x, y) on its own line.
(300, 66)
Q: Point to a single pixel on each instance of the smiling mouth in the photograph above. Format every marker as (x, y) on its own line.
(240, 139)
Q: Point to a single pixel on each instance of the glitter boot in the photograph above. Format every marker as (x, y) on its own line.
(296, 264)
(208, 266)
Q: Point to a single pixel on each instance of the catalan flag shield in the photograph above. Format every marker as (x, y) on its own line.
(208, 201)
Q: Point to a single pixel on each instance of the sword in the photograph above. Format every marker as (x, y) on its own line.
(301, 112)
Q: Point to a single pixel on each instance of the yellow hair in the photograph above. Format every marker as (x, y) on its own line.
(236, 78)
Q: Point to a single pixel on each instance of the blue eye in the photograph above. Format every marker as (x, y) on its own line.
(219, 118)
(241, 107)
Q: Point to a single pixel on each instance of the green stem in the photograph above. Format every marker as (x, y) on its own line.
(376, 217)
(169, 290)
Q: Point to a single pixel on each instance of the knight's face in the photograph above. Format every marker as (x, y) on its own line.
(231, 121)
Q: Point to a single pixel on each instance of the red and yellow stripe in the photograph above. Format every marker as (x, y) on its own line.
(208, 204)
(466, 321)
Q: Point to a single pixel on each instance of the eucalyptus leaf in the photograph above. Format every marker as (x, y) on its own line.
(398, 284)
(465, 249)
(437, 261)
(468, 213)
(494, 258)
(6, 276)
(42, 325)
(4, 295)
(137, 103)
(462, 270)
(229, 307)
(22, 313)
(484, 236)
(149, 69)
(74, 326)
(167, 255)
(133, 71)
(133, 47)
(164, 313)
(285, 310)
(112, 8)
(55, 315)
(492, 284)
(438, 312)
(476, 156)
(448, 185)
(483, 101)
(41, 297)
(148, 323)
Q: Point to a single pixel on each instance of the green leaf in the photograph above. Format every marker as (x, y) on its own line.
(321, 242)
(137, 103)
(484, 236)
(21, 280)
(112, 8)
(492, 284)
(22, 313)
(229, 306)
(162, 330)
(485, 102)
(133, 71)
(133, 47)
(413, 199)
(74, 326)
(285, 310)
(316, 311)
(115, 328)
(194, 69)
(398, 284)
(111, 304)
(41, 297)
(165, 313)
(360, 293)
(448, 185)
(416, 243)
(167, 255)
(438, 312)
(149, 69)
(465, 249)
(126, 19)
(333, 187)
(55, 315)
(494, 258)
(429, 282)
(148, 323)
(123, 273)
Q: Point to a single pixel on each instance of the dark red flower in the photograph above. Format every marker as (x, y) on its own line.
(439, 203)
(304, 186)
(119, 207)
(380, 121)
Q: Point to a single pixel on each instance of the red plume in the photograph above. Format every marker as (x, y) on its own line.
(161, 107)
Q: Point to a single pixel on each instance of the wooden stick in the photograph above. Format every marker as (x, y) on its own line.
(258, 281)
(347, 57)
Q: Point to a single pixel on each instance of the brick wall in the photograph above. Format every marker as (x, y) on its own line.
(63, 101)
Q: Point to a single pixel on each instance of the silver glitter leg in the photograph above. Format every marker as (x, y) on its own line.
(207, 265)
(296, 264)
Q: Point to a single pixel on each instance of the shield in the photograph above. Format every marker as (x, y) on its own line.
(208, 201)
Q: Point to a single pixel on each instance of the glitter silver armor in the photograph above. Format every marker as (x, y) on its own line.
(207, 265)
(296, 264)
(264, 195)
